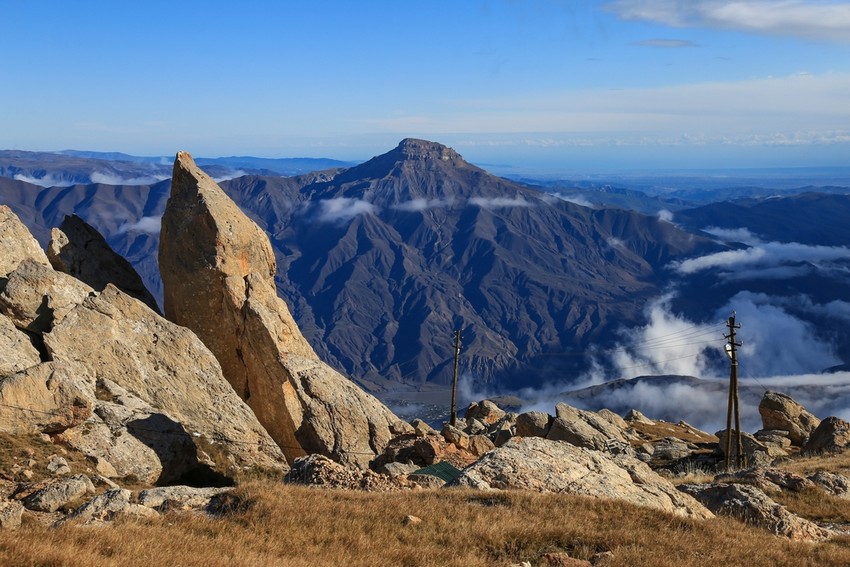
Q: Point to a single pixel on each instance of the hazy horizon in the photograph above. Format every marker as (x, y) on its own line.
(537, 85)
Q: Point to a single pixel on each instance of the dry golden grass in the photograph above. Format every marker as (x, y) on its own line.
(17, 449)
(278, 525)
(838, 463)
(817, 505)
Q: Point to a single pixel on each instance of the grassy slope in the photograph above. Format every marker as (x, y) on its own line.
(286, 525)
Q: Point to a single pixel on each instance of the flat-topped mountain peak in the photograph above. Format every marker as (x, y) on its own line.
(415, 149)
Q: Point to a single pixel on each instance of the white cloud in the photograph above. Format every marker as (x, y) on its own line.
(665, 215)
(821, 20)
(499, 202)
(149, 225)
(114, 179)
(47, 181)
(667, 344)
(764, 254)
(733, 234)
(776, 342)
(343, 209)
(666, 43)
(576, 200)
(232, 175)
(416, 205)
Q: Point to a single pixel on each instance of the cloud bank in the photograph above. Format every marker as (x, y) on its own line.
(420, 204)
(820, 20)
(499, 202)
(48, 180)
(764, 255)
(114, 179)
(148, 225)
(343, 209)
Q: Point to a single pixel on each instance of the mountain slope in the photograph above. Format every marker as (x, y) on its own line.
(381, 262)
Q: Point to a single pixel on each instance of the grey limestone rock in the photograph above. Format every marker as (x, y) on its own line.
(59, 493)
(532, 463)
(16, 242)
(779, 411)
(752, 506)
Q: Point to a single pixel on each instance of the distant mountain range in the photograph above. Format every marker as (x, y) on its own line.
(71, 167)
(380, 262)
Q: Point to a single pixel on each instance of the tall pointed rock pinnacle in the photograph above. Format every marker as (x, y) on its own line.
(218, 272)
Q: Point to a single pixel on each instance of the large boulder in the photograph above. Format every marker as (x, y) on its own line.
(752, 506)
(218, 272)
(16, 242)
(831, 436)
(167, 498)
(78, 249)
(128, 438)
(485, 411)
(176, 396)
(36, 297)
(532, 463)
(105, 507)
(46, 398)
(16, 350)
(58, 493)
(583, 428)
(533, 424)
(783, 413)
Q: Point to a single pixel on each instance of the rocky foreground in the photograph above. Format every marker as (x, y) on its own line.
(110, 409)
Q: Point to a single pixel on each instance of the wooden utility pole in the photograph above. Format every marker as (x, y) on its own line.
(734, 401)
(453, 418)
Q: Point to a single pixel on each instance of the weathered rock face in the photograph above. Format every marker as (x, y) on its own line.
(754, 507)
(16, 242)
(831, 436)
(119, 340)
(138, 395)
(218, 273)
(485, 411)
(10, 514)
(36, 296)
(46, 398)
(16, 351)
(835, 484)
(756, 453)
(59, 493)
(767, 480)
(583, 428)
(533, 424)
(533, 463)
(783, 413)
(79, 250)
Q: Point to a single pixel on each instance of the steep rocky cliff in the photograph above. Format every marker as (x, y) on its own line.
(218, 271)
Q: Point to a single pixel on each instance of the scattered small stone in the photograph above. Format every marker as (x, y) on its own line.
(10, 514)
(58, 466)
(562, 560)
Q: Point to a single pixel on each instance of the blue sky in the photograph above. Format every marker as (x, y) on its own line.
(535, 84)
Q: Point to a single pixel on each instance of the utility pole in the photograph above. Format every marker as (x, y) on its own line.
(734, 402)
(453, 418)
